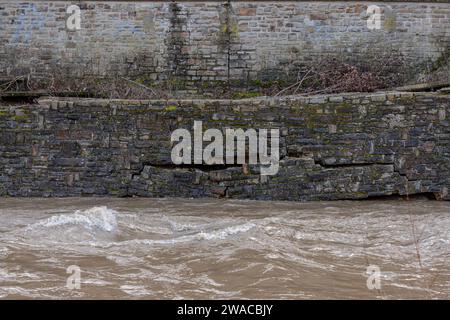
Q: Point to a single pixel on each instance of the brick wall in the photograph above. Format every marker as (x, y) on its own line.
(213, 40)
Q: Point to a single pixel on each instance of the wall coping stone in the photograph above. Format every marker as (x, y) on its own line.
(316, 99)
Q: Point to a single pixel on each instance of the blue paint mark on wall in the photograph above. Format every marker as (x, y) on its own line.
(29, 19)
(126, 26)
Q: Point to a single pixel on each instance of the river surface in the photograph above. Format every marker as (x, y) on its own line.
(210, 249)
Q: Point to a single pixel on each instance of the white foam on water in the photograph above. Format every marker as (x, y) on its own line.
(3, 252)
(135, 290)
(220, 234)
(99, 218)
(228, 231)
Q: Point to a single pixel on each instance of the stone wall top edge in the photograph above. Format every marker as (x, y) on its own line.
(316, 99)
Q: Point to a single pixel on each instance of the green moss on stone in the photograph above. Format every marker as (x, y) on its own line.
(170, 108)
(21, 118)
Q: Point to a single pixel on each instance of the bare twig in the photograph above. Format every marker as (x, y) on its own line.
(305, 77)
(140, 85)
(297, 84)
(326, 90)
(416, 241)
(10, 83)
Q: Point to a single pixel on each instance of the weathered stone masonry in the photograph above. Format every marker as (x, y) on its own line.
(332, 147)
(351, 146)
(214, 41)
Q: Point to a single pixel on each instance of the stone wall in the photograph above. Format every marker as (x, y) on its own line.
(214, 41)
(350, 146)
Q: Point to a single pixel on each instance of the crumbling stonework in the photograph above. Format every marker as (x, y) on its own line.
(188, 42)
(351, 146)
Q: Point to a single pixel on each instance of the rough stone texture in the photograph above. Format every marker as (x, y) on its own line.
(213, 41)
(332, 147)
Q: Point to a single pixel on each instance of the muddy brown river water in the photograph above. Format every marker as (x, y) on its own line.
(208, 249)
